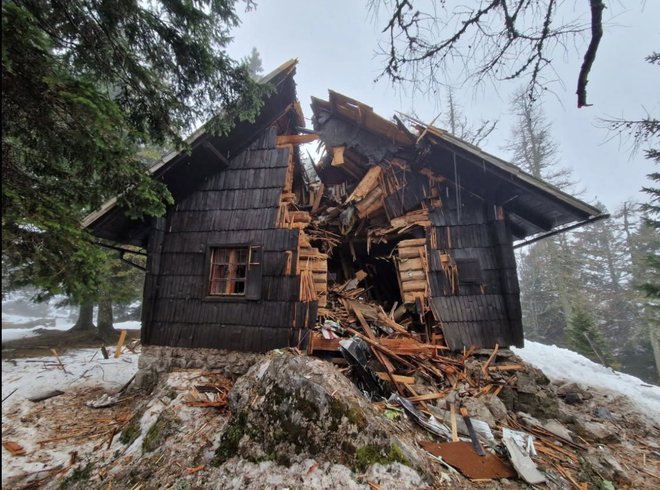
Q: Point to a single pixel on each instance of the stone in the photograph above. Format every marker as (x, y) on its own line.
(573, 398)
(602, 413)
(597, 431)
(558, 429)
(496, 407)
(606, 465)
(287, 408)
(526, 384)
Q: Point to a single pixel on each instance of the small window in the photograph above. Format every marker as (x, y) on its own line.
(229, 271)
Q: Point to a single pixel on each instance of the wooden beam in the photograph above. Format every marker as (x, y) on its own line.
(296, 139)
(210, 149)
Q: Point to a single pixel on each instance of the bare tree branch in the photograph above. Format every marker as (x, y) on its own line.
(597, 8)
(496, 39)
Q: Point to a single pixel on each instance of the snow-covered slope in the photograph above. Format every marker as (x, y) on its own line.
(563, 364)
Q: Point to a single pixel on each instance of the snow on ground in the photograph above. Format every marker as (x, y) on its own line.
(85, 376)
(60, 324)
(84, 367)
(563, 364)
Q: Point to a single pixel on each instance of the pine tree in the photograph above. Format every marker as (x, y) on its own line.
(584, 337)
(547, 268)
(253, 63)
(86, 85)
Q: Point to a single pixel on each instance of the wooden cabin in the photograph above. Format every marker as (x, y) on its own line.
(257, 246)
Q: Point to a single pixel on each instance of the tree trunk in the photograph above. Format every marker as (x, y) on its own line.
(105, 320)
(85, 320)
(654, 335)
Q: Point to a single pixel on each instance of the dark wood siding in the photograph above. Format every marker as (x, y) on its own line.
(484, 312)
(236, 206)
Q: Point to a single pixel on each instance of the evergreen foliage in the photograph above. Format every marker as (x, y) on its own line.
(253, 63)
(84, 86)
(584, 337)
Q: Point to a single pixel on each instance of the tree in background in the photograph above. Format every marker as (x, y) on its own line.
(253, 64)
(457, 124)
(645, 132)
(122, 284)
(85, 85)
(547, 269)
(585, 338)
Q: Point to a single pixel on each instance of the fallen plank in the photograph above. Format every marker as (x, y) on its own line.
(408, 380)
(507, 367)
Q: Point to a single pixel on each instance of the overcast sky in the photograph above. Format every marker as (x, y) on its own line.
(335, 43)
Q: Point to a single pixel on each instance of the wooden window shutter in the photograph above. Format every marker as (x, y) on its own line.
(253, 287)
(469, 271)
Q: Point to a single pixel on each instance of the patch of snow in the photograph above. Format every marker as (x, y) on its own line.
(60, 323)
(563, 364)
(129, 325)
(18, 319)
(84, 367)
(17, 333)
(21, 378)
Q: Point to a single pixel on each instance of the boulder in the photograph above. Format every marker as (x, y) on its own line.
(289, 407)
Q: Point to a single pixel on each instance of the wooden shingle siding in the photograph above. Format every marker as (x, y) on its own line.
(237, 206)
(477, 314)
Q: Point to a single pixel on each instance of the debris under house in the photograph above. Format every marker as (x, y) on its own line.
(400, 229)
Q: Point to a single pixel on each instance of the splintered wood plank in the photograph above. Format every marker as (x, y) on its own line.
(367, 183)
(296, 139)
(406, 380)
(338, 156)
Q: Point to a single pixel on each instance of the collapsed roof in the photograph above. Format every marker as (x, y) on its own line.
(532, 205)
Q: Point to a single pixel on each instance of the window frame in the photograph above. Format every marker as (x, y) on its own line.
(252, 281)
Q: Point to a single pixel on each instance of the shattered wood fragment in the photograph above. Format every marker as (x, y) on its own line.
(14, 448)
(407, 380)
(507, 367)
(426, 397)
(120, 343)
(338, 156)
(366, 185)
(484, 369)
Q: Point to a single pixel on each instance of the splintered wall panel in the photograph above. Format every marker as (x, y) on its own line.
(472, 275)
(194, 300)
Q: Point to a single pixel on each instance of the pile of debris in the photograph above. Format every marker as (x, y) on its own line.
(489, 397)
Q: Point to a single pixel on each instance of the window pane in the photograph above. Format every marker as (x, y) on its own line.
(242, 256)
(228, 271)
(219, 256)
(218, 287)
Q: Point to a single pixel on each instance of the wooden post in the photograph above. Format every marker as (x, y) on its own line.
(120, 343)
